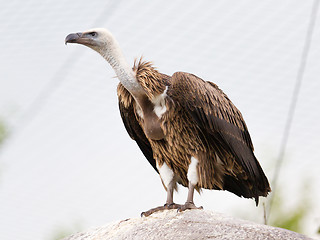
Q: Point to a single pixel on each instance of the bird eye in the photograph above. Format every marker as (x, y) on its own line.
(93, 34)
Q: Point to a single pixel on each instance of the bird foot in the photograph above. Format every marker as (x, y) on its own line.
(188, 205)
(161, 208)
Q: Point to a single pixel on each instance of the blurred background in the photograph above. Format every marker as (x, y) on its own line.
(66, 161)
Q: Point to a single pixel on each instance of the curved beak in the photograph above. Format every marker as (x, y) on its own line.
(74, 38)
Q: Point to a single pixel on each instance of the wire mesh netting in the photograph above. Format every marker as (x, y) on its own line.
(69, 158)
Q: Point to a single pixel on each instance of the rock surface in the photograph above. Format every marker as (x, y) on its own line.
(191, 224)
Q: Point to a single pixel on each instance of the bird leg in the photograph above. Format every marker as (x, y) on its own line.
(189, 203)
(170, 193)
(168, 205)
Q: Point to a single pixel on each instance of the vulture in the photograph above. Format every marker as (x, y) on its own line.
(187, 128)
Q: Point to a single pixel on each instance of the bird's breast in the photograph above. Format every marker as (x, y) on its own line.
(151, 112)
(153, 131)
(152, 125)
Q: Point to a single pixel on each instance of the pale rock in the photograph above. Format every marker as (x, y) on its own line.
(191, 224)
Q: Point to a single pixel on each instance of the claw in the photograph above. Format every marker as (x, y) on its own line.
(161, 208)
(188, 205)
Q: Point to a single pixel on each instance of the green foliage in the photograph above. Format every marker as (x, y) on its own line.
(3, 132)
(291, 219)
(294, 217)
(62, 232)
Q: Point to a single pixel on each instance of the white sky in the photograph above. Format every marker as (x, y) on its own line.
(69, 159)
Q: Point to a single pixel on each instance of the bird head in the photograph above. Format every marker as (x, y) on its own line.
(103, 42)
(97, 38)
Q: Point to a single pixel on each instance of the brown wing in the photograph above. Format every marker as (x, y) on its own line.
(131, 124)
(224, 128)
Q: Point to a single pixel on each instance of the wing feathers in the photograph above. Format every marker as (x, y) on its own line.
(225, 128)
